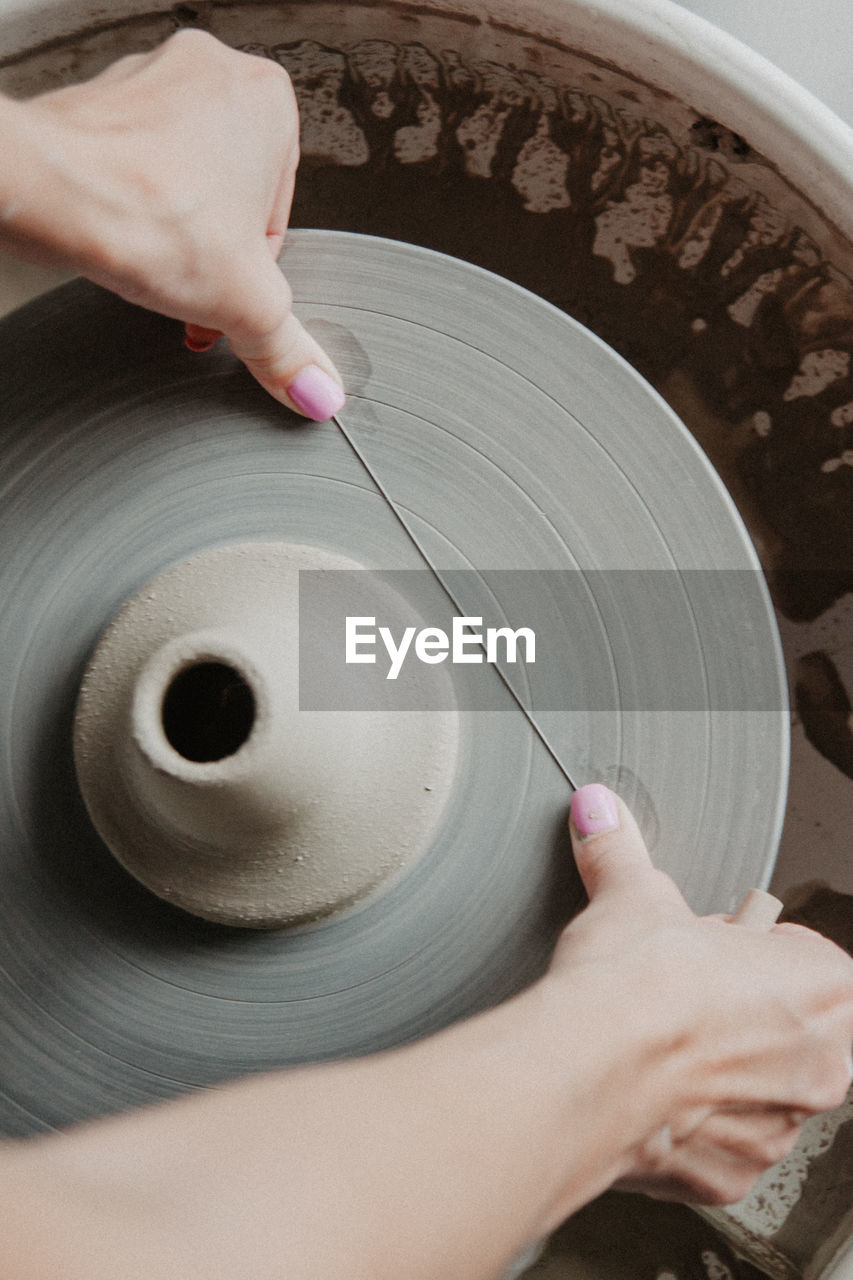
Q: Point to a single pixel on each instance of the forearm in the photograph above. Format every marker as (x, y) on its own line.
(442, 1159)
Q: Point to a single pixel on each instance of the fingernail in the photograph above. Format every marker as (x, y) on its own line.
(594, 810)
(316, 394)
(198, 339)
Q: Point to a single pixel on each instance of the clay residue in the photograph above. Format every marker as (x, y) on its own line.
(629, 1237)
(825, 1200)
(825, 1184)
(823, 909)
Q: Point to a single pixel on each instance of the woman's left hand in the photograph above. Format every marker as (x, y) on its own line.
(168, 179)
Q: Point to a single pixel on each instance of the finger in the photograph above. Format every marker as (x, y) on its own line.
(196, 337)
(709, 1177)
(759, 911)
(718, 1163)
(279, 351)
(606, 840)
(759, 1136)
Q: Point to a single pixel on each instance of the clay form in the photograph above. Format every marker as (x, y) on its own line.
(208, 781)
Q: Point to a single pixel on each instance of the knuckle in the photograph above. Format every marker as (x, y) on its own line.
(842, 1084)
(779, 1148)
(266, 343)
(742, 1186)
(269, 74)
(836, 1089)
(827, 1091)
(195, 40)
(729, 1189)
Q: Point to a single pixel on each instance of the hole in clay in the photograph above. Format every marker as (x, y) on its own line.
(208, 711)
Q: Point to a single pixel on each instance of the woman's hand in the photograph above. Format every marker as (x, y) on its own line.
(754, 1030)
(168, 179)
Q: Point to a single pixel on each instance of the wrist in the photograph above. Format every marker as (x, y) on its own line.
(614, 1064)
(640, 1022)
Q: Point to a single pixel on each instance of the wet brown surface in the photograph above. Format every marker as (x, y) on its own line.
(824, 709)
(820, 907)
(627, 1237)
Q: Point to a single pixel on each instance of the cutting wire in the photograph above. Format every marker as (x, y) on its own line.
(416, 542)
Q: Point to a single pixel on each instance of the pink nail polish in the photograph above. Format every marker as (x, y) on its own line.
(594, 810)
(316, 394)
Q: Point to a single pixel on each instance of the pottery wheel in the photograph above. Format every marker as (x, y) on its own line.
(529, 458)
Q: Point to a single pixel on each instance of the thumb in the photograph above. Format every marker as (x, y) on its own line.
(281, 354)
(607, 844)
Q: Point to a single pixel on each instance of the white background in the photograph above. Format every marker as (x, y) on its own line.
(812, 40)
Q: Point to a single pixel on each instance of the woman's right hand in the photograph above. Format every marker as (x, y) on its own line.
(750, 1032)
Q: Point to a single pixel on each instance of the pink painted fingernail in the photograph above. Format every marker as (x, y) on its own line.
(594, 810)
(316, 394)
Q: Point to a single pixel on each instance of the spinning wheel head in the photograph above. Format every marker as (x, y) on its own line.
(528, 458)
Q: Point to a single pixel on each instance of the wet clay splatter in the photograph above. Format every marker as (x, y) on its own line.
(824, 709)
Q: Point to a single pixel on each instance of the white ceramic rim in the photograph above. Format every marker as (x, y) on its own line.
(669, 47)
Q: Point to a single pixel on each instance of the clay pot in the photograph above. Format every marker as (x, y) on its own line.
(210, 782)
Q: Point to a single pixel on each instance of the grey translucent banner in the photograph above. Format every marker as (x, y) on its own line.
(635, 640)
